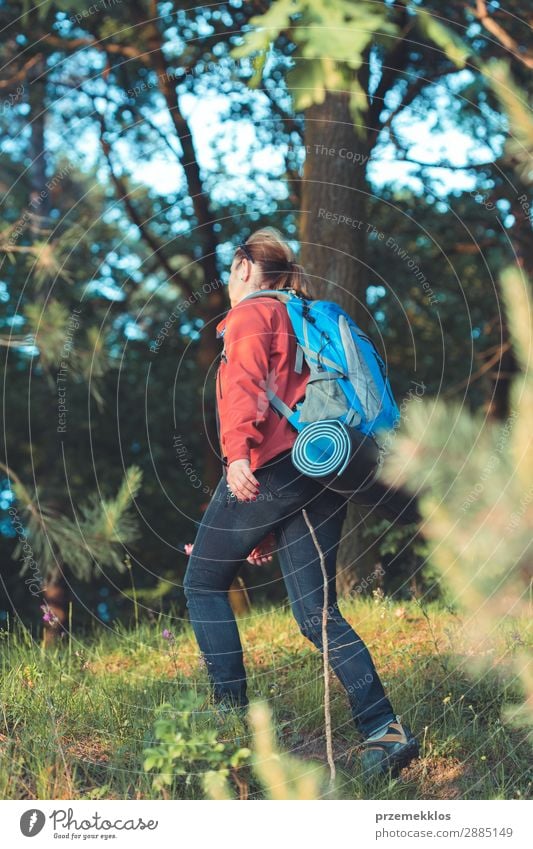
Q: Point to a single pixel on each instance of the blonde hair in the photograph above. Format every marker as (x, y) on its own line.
(268, 249)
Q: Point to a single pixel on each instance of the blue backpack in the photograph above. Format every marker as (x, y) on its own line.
(347, 378)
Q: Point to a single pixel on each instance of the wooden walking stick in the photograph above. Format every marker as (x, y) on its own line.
(325, 655)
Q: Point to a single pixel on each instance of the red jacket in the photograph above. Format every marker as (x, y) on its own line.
(259, 352)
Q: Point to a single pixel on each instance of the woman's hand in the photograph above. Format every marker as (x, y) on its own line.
(241, 481)
(262, 553)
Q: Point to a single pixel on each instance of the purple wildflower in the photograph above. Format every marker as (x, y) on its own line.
(168, 635)
(48, 616)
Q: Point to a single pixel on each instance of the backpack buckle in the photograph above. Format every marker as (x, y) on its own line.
(306, 312)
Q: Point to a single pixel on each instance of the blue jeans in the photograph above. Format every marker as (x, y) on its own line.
(228, 532)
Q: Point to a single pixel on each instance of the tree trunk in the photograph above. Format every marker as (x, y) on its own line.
(39, 194)
(333, 252)
(56, 599)
(501, 376)
(335, 185)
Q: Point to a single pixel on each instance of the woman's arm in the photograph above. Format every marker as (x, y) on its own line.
(244, 404)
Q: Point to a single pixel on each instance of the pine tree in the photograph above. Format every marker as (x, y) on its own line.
(474, 475)
(53, 546)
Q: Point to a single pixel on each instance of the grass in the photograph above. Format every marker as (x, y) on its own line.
(76, 719)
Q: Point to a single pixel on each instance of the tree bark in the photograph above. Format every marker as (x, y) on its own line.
(334, 255)
(334, 184)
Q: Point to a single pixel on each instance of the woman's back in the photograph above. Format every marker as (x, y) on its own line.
(259, 354)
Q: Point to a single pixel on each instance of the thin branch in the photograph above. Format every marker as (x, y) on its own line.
(15, 342)
(147, 236)
(22, 73)
(191, 167)
(396, 62)
(412, 93)
(325, 653)
(505, 39)
(141, 116)
(111, 47)
(472, 166)
(289, 120)
(164, 138)
(473, 248)
(29, 505)
(11, 474)
(480, 372)
(448, 165)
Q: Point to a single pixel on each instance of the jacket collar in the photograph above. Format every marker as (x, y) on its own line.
(221, 327)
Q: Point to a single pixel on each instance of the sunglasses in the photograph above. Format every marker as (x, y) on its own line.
(246, 252)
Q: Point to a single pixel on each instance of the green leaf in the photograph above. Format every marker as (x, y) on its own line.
(454, 47)
(277, 17)
(258, 63)
(268, 27)
(345, 45)
(331, 37)
(240, 757)
(306, 84)
(254, 42)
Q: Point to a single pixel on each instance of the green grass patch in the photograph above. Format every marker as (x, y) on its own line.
(78, 719)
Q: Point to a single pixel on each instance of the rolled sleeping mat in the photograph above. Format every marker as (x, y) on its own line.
(345, 460)
(338, 456)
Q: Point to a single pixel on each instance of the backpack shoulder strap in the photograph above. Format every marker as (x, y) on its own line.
(283, 295)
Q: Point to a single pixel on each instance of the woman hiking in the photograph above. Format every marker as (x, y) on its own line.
(256, 508)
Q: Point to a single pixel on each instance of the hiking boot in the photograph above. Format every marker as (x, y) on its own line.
(223, 711)
(389, 750)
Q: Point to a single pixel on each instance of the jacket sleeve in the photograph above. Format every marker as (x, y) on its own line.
(247, 344)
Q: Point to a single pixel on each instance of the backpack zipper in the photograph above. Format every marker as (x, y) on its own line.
(224, 359)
